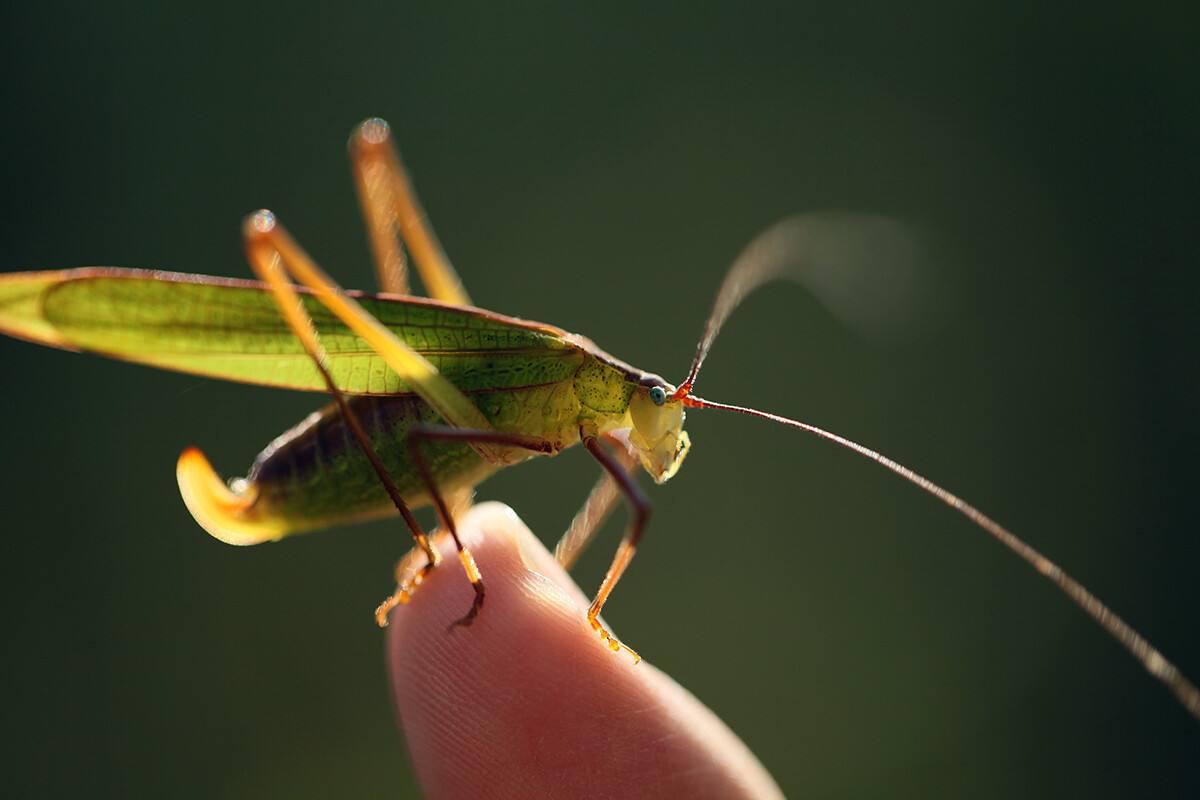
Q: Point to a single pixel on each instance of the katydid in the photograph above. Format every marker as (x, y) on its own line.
(433, 395)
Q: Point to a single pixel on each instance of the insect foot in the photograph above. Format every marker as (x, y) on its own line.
(409, 577)
(401, 596)
(465, 621)
(614, 644)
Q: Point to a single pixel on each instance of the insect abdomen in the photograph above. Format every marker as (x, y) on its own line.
(317, 475)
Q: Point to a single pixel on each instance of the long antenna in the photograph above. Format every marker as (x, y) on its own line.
(1154, 661)
(840, 258)
(837, 256)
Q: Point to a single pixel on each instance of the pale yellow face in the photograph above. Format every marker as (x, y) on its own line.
(657, 432)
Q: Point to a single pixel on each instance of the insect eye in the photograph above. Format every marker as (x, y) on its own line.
(658, 395)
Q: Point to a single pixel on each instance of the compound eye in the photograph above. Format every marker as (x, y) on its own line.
(658, 395)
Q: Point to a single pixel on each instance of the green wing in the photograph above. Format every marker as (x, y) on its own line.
(231, 329)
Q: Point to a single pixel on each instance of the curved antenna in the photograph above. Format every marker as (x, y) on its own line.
(860, 266)
(1149, 656)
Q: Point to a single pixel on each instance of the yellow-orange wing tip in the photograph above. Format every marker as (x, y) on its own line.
(224, 513)
(21, 307)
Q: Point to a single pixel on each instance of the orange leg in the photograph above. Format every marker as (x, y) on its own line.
(408, 579)
(390, 206)
(640, 507)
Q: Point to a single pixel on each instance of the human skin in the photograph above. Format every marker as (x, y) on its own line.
(529, 702)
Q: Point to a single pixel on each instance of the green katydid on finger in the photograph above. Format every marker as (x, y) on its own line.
(432, 396)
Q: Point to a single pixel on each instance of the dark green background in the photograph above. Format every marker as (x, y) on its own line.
(599, 169)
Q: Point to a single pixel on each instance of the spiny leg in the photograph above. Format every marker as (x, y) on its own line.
(419, 435)
(390, 204)
(586, 523)
(639, 505)
(267, 265)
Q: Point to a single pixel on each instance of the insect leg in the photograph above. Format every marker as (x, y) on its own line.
(419, 435)
(268, 267)
(268, 239)
(408, 575)
(591, 516)
(390, 204)
(374, 185)
(640, 507)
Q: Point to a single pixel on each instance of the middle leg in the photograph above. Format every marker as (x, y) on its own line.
(420, 435)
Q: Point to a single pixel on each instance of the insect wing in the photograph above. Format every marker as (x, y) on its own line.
(232, 330)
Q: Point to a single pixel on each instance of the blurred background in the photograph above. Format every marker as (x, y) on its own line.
(599, 169)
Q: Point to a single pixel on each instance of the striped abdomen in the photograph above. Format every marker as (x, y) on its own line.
(316, 475)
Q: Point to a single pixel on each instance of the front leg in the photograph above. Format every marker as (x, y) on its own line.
(639, 505)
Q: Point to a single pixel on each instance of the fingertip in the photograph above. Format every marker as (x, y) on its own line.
(530, 602)
(528, 701)
(507, 551)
